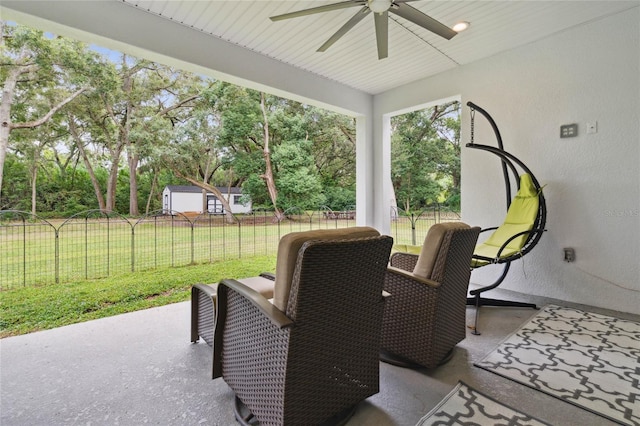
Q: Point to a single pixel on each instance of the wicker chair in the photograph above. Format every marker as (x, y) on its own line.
(203, 302)
(425, 316)
(311, 355)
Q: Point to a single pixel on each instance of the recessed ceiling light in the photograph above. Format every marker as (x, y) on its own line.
(461, 26)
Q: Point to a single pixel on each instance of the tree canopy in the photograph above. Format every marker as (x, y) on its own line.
(81, 130)
(425, 161)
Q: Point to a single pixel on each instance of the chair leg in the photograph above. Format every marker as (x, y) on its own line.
(475, 324)
(195, 298)
(498, 302)
(243, 415)
(246, 418)
(394, 359)
(478, 301)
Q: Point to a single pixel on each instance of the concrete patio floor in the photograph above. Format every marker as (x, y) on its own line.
(140, 368)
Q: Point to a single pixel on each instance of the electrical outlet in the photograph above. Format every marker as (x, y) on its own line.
(592, 127)
(569, 254)
(568, 130)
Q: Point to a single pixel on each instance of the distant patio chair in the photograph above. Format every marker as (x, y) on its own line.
(425, 316)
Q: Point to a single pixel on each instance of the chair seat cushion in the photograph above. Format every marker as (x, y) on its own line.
(262, 285)
(521, 217)
(490, 251)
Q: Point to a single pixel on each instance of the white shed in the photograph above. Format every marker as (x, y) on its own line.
(185, 198)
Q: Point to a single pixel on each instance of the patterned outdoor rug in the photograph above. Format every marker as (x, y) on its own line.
(586, 359)
(467, 406)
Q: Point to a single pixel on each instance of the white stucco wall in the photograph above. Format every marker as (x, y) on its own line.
(590, 73)
(177, 201)
(185, 202)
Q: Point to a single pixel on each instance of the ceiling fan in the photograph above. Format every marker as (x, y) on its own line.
(380, 9)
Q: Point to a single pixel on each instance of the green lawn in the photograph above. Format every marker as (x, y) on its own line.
(29, 309)
(42, 253)
(96, 260)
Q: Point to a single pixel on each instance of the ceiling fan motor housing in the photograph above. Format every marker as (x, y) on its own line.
(379, 6)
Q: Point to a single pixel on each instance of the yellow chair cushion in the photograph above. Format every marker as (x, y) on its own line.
(406, 248)
(521, 217)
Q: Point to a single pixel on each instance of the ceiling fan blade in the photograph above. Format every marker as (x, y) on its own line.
(319, 9)
(346, 27)
(382, 33)
(412, 14)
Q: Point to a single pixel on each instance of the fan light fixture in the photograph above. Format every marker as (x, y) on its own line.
(379, 6)
(461, 26)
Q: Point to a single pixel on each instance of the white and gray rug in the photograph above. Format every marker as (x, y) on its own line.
(586, 359)
(467, 406)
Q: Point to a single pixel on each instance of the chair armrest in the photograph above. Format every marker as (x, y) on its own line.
(268, 275)
(253, 299)
(404, 261)
(208, 289)
(277, 317)
(412, 277)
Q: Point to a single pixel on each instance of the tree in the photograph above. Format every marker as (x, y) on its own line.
(31, 147)
(426, 156)
(245, 128)
(297, 179)
(35, 67)
(136, 106)
(334, 152)
(193, 156)
(15, 195)
(165, 95)
(74, 116)
(285, 153)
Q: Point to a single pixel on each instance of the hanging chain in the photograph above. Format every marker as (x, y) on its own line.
(473, 116)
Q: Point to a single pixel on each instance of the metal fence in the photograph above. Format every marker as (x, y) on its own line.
(96, 244)
(410, 227)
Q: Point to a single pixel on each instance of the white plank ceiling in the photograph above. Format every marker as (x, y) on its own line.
(414, 53)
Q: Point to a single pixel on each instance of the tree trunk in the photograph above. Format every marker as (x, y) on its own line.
(154, 183)
(94, 180)
(5, 116)
(112, 183)
(212, 189)
(393, 202)
(268, 172)
(34, 180)
(133, 184)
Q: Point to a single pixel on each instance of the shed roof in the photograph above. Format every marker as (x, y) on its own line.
(198, 190)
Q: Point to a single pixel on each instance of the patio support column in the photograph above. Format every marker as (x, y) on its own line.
(373, 170)
(377, 154)
(364, 172)
(383, 202)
